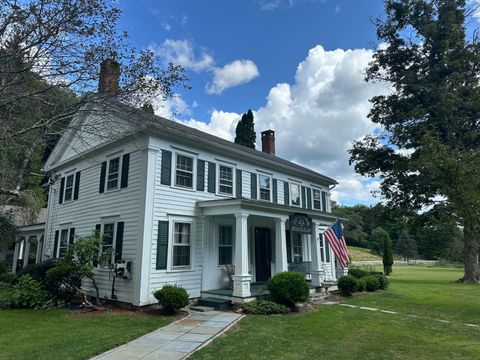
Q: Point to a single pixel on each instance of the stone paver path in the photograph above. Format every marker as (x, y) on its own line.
(175, 341)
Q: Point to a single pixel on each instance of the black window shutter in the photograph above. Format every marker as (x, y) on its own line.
(103, 174)
(98, 228)
(71, 237)
(162, 245)
(76, 189)
(119, 241)
(304, 200)
(62, 187)
(212, 168)
(166, 175)
(274, 188)
(200, 175)
(125, 168)
(289, 247)
(324, 201)
(253, 186)
(286, 192)
(238, 185)
(55, 244)
(309, 198)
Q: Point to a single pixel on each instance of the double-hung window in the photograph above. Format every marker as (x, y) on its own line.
(225, 180)
(113, 172)
(107, 245)
(322, 248)
(63, 245)
(295, 194)
(69, 188)
(225, 247)
(264, 184)
(184, 171)
(317, 199)
(297, 248)
(181, 245)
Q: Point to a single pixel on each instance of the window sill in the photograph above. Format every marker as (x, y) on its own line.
(112, 190)
(183, 188)
(177, 270)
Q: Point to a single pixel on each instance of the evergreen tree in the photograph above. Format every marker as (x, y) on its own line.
(431, 115)
(387, 256)
(406, 246)
(377, 239)
(245, 131)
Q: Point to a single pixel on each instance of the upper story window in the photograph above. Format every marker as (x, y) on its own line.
(181, 245)
(113, 172)
(264, 183)
(69, 188)
(225, 245)
(184, 171)
(317, 199)
(225, 180)
(295, 194)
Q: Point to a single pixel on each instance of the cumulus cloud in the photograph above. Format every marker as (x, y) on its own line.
(233, 74)
(181, 52)
(317, 117)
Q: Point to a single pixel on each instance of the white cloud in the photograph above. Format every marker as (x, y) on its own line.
(269, 5)
(317, 118)
(181, 52)
(233, 74)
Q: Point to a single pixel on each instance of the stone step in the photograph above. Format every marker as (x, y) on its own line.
(219, 304)
(202, 308)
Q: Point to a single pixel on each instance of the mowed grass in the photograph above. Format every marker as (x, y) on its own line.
(335, 332)
(361, 254)
(56, 334)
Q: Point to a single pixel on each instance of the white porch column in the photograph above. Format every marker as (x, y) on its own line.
(281, 262)
(318, 274)
(241, 279)
(26, 251)
(16, 254)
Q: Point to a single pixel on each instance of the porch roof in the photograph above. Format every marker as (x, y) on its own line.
(231, 206)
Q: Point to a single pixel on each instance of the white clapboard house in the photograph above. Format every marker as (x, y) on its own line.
(178, 205)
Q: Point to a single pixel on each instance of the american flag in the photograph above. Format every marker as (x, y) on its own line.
(336, 240)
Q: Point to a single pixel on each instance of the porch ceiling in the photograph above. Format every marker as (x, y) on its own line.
(232, 206)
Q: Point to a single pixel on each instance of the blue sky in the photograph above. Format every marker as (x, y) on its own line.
(297, 63)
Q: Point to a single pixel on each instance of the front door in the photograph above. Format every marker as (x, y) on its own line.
(262, 254)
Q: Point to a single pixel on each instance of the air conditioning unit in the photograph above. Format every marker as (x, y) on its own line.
(123, 269)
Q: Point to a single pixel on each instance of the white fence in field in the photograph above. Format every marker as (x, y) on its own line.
(395, 262)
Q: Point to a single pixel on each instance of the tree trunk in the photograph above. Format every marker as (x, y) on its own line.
(97, 292)
(470, 247)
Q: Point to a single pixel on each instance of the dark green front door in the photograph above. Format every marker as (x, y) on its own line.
(263, 256)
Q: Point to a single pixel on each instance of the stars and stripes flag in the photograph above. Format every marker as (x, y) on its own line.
(336, 240)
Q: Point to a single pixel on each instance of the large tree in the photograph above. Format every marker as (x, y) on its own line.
(50, 53)
(427, 151)
(245, 131)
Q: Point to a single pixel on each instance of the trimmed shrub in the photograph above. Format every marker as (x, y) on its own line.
(172, 298)
(361, 273)
(38, 271)
(288, 288)
(264, 307)
(28, 293)
(372, 283)
(384, 282)
(361, 284)
(63, 282)
(347, 285)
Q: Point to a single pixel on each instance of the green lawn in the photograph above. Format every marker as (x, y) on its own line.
(362, 254)
(55, 334)
(334, 332)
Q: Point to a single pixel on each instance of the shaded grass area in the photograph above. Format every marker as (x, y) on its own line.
(361, 254)
(55, 334)
(334, 332)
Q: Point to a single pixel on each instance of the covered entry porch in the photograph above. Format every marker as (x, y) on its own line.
(246, 242)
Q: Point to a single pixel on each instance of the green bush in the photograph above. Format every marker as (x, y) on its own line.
(372, 283)
(172, 298)
(63, 282)
(347, 285)
(288, 288)
(264, 307)
(7, 278)
(6, 296)
(28, 293)
(361, 273)
(362, 284)
(4, 267)
(38, 271)
(384, 282)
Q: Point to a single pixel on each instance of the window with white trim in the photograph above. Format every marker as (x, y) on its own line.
(69, 188)
(181, 245)
(107, 245)
(225, 245)
(295, 194)
(184, 171)
(225, 180)
(297, 248)
(317, 199)
(322, 248)
(113, 173)
(264, 184)
(63, 243)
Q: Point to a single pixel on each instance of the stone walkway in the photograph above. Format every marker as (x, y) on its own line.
(177, 340)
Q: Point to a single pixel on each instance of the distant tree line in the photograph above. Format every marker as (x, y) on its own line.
(431, 235)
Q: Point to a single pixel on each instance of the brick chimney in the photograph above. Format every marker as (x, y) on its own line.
(109, 77)
(268, 142)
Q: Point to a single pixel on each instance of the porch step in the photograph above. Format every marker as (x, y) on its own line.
(219, 304)
(202, 308)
